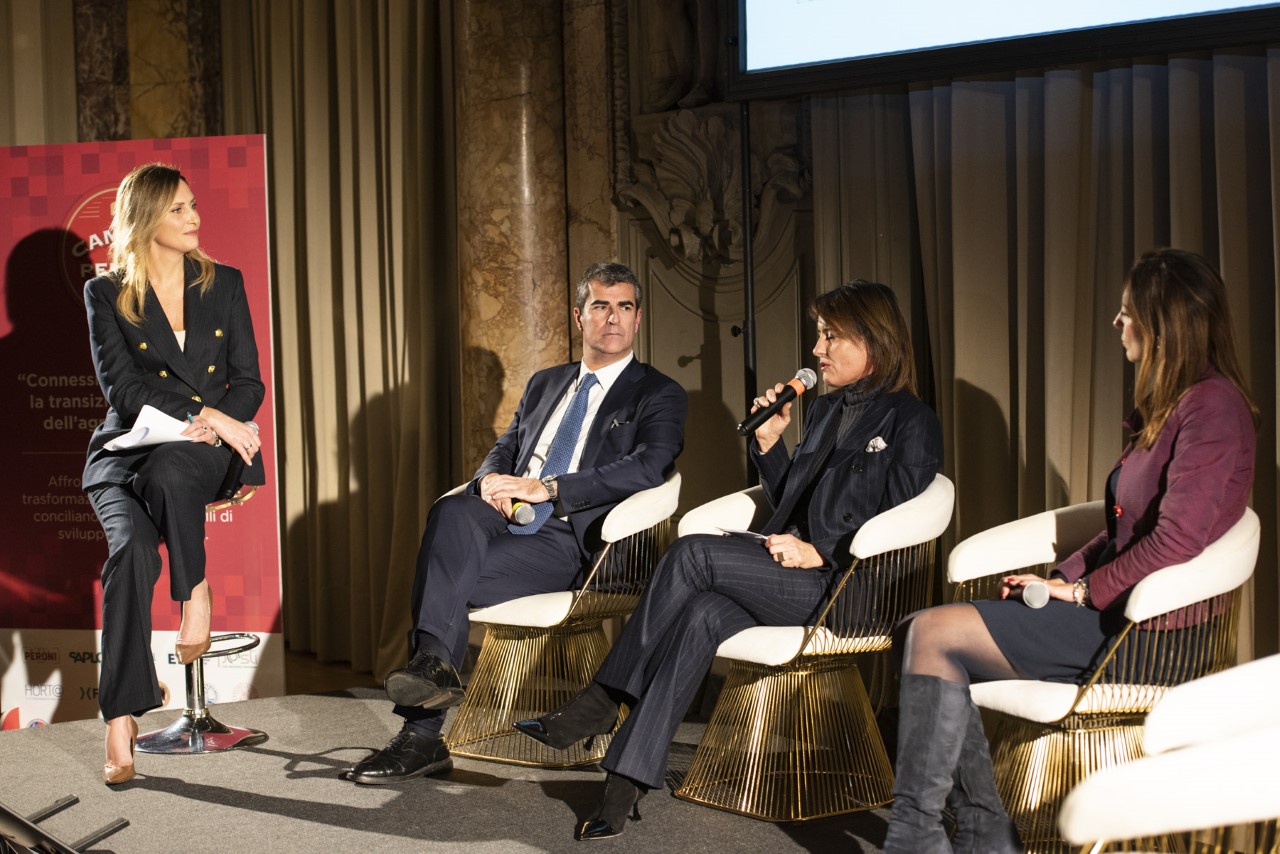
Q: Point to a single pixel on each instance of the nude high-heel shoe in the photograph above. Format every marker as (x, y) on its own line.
(189, 652)
(113, 774)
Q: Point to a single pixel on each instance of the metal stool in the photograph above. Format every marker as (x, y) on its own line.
(197, 731)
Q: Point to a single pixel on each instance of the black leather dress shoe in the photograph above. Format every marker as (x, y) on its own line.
(621, 801)
(405, 757)
(587, 715)
(428, 682)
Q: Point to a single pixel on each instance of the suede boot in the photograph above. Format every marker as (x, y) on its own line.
(621, 800)
(933, 717)
(593, 712)
(982, 825)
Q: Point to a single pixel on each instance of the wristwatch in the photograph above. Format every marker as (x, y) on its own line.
(549, 482)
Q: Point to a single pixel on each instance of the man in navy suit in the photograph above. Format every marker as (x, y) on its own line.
(585, 436)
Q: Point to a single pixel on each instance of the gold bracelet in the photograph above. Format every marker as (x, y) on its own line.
(1080, 592)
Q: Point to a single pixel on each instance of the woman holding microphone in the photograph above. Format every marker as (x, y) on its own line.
(1181, 482)
(868, 445)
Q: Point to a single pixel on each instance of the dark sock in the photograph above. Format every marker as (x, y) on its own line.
(427, 642)
(429, 725)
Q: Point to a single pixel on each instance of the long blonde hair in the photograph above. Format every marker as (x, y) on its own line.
(1178, 305)
(140, 206)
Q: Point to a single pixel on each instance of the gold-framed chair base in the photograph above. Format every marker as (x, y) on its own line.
(1037, 764)
(521, 673)
(1259, 838)
(791, 743)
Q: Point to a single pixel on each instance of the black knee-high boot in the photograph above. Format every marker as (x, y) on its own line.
(982, 825)
(933, 716)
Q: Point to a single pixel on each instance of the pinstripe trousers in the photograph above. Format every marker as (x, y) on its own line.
(706, 589)
(165, 501)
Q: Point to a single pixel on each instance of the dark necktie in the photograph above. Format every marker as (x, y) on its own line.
(560, 453)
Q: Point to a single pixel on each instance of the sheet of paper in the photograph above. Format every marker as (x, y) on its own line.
(736, 532)
(153, 427)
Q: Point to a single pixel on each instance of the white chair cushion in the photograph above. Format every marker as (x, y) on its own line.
(1046, 702)
(1037, 701)
(1047, 537)
(642, 510)
(735, 510)
(919, 520)
(1222, 783)
(457, 490)
(1233, 702)
(769, 645)
(538, 611)
(1224, 565)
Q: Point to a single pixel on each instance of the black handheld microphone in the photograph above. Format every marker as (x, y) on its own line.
(802, 382)
(235, 471)
(522, 513)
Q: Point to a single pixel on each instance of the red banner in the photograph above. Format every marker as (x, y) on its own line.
(55, 227)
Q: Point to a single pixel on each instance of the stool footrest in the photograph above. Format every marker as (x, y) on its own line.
(197, 731)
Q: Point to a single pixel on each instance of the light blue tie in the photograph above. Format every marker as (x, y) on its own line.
(560, 453)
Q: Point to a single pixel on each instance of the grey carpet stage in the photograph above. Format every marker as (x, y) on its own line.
(285, 794)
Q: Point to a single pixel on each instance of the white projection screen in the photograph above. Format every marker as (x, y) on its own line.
(796, 46)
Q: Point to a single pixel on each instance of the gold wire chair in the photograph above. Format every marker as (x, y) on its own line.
(1180, 624)
(1208, 780)
(793, 735)
(540, 651)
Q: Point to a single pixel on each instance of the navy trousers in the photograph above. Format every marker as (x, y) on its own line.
(468, 559)
(165, 501)
(706, 589)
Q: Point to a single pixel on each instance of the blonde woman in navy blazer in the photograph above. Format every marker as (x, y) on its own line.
(868, 446)
(170, 329)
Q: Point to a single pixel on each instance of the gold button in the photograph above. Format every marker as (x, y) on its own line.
(217, 333)
(164, 374)
(196, 398)
(142, 345)
(212, 368)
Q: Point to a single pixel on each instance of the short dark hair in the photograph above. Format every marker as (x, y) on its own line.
(607, 273)
(868, 312)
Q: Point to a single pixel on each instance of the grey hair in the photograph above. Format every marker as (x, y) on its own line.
(607, 273)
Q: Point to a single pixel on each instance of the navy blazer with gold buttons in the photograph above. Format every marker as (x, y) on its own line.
(142, 364)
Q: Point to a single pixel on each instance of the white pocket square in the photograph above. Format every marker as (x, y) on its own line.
(876, 445)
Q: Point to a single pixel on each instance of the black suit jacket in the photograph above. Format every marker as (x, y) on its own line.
(632, 445)
(855, 482)
(140, 365)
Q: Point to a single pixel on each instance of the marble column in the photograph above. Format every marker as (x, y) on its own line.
(147, 68)
(515, 295)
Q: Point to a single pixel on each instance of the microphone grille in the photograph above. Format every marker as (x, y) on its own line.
(522, 514)
(807, 377)
(1035, 594)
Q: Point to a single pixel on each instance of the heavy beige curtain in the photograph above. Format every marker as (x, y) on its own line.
(37, 73)
(1007, 210)
(353, 99)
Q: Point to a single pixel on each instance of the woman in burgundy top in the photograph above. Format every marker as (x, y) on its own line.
(1182, 481)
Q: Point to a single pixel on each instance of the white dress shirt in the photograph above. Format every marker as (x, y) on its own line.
(605, 378)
